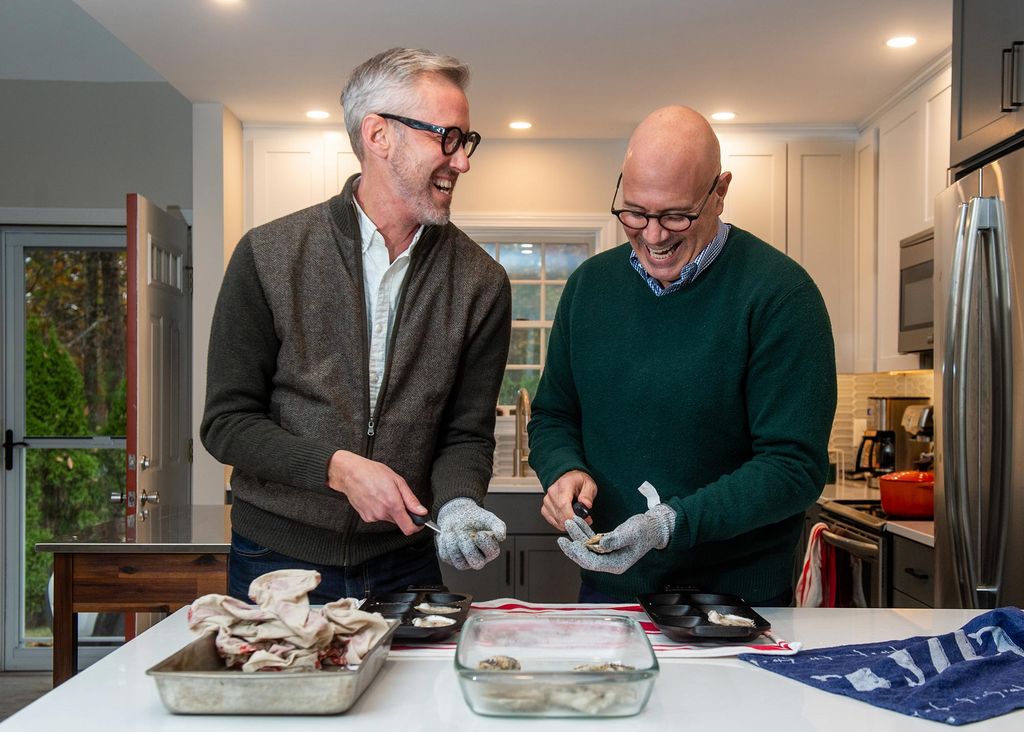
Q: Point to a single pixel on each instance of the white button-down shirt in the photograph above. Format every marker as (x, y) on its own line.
(382, 284)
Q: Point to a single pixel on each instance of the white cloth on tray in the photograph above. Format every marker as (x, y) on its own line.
(282, 631)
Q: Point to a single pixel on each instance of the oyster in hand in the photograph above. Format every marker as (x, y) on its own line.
(594, 544)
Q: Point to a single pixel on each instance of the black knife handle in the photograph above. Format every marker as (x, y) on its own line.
(419, 520)
(580, 510)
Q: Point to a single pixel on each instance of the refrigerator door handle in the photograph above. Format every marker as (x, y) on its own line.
(996, 526)
(955, 399)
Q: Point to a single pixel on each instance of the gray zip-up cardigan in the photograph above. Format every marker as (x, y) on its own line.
(287, 379)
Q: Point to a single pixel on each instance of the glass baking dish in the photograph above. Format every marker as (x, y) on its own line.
(569, 665)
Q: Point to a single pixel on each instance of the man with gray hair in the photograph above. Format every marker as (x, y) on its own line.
(356, 353)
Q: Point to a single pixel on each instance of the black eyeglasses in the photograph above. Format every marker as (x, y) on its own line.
(452, 138)
(670, 220)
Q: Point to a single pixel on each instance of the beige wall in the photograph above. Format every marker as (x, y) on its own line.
(545, 176)
(85, 144)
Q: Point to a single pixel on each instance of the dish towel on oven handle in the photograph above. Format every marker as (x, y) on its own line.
(811, 585)
(971, 674)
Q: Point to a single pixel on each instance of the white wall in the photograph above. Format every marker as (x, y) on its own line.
(218, 186)
(542, 176)
(86, 144)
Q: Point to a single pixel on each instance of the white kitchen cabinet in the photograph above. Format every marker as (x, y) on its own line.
(757, 196)
(820, 230)
(912, 161)
(797, 195)
(288, 169)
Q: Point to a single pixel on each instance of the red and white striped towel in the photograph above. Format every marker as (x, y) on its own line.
(663, 647)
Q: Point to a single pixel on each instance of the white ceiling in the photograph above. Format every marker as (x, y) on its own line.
(575, 68)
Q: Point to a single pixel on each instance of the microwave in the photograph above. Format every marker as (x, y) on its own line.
(917, 316)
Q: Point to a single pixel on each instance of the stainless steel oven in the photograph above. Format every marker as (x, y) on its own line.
(855, 531)
(917, 264)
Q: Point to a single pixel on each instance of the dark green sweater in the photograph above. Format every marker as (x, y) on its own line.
(721, 395)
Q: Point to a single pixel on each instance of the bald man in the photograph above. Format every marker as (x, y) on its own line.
(696, 359)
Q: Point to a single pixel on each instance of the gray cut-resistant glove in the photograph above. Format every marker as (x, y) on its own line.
(630, 540)
(469, 534)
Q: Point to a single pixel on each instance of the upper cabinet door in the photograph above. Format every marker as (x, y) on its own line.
(988, 76)
(757, 195)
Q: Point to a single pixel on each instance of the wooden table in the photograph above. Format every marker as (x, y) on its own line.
(181, 555)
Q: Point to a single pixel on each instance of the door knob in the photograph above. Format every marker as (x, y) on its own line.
(143, 462)
(149, 498)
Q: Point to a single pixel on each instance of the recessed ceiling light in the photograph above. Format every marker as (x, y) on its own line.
(901, 42)
(723, 116)
(520, 125)
(317, 114)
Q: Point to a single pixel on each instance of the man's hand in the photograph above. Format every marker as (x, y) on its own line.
(469, 534)
(572, 486)
(630, 540)
(376, 492)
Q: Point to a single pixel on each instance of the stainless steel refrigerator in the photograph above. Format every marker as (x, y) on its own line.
(979, 388)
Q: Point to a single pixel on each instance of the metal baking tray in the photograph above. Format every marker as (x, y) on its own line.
(682, 615)
(401, 606)
(195, 681)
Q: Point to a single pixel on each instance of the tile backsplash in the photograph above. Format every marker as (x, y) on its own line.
(852, 403)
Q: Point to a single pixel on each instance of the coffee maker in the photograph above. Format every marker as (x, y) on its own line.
(876, 454)
(886, 445)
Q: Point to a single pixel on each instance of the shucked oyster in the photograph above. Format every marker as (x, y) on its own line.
(718, 618)
(594, 544)
(499, 663)
(426, 607)
(610, 666)
(433, 621)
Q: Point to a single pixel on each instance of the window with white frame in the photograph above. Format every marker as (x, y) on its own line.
(539, 252)
(538, 271)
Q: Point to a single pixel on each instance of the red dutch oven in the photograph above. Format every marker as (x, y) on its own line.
(908, 494)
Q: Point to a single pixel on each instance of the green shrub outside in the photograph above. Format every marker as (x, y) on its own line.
(66, 490)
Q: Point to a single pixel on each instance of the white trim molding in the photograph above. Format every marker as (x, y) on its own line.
(18, 216)
(601, 227)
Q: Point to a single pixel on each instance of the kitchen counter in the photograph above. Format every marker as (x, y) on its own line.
(204, 529)
(723, 695)
(923, 532)
(848, 490)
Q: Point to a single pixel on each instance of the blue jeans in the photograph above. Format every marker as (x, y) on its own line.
(414, 565)
(589, 594)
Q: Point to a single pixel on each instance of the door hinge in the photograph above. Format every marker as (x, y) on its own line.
(190, 278)
(190, 449)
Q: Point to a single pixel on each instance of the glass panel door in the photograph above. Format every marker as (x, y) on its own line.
(64, 362)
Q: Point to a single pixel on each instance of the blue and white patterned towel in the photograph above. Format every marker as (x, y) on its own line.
(968, 675)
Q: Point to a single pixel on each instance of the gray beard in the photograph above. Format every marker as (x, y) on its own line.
(424, 209)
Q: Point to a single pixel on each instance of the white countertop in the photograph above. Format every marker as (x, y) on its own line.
(719, 695)
(923, 532)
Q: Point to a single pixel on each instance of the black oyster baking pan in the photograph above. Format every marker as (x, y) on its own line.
(415, 605)
(682, 615)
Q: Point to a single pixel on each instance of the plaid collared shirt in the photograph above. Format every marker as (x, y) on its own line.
(691, 271)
